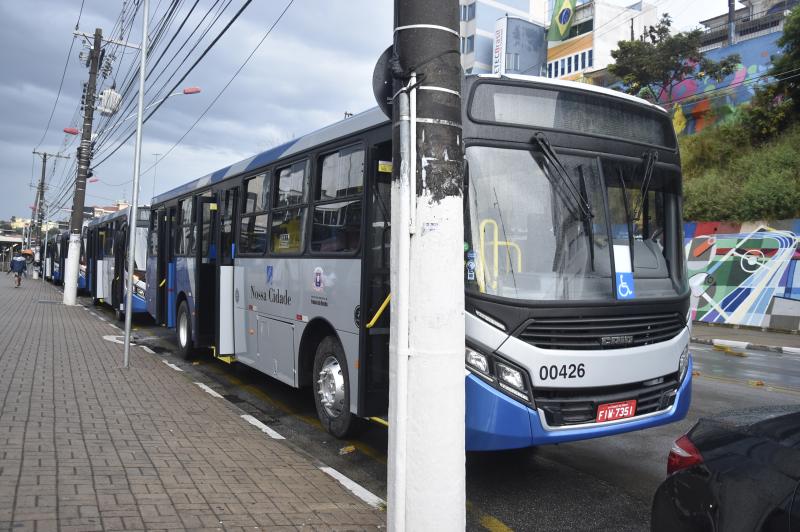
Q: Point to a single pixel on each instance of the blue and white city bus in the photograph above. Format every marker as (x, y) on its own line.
(577, 302)
(106, 243)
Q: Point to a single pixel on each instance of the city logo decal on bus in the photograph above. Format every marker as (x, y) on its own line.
(272, 295)
(269, 275)
(319, 284)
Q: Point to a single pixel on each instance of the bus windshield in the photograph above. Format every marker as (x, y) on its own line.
(529, 238)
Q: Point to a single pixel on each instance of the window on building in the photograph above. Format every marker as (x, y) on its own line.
(463, 44)
(471, 11)
(512, 62)
(569, 65)
(580, 29)
(550, 70)
(470, 45)
(583, 60)
(562, 69)
(591, 61)
(575, 62)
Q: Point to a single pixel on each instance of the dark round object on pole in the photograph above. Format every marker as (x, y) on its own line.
(382, 82)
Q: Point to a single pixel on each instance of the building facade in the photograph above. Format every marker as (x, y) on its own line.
(521, 42)
(597, 27)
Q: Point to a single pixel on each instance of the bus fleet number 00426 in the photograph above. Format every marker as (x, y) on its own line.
(564, 371)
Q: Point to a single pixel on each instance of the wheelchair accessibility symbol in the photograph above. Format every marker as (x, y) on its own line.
(625, 286)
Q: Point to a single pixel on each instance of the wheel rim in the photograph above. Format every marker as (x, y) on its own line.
(183, 329)
(330, 387)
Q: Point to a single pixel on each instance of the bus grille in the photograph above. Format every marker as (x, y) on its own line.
(575, 406)
(606, 332)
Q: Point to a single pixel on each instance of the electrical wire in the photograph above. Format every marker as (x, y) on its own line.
(185, 75)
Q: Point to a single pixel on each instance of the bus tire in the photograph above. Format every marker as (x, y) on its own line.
(183, 327)
(331, 385)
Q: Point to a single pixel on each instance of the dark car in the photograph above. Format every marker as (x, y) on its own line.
(737, 472)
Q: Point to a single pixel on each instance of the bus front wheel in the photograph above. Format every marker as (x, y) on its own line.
(184, 326)
(331, 383)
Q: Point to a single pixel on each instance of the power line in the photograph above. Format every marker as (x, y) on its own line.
(217, 97)
(202, 56)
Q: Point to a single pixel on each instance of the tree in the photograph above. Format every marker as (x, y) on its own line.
(785, 67)
(654, 66)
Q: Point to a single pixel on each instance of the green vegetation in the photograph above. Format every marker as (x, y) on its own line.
(651, 68)
(727, 178)
(748, 168)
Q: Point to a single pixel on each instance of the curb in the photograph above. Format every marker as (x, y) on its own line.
(733, 344)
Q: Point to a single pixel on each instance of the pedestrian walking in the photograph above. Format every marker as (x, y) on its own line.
(20, 267)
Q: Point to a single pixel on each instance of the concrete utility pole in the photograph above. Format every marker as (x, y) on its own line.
(85, 155)
(731, 22)
(40, 192)
(426, 397)
(134, 213)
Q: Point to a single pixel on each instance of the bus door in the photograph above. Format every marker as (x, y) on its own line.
(169, 235)
(226, 252)
(159, 269)
(373, 317)
(205, 292)
(118, 283)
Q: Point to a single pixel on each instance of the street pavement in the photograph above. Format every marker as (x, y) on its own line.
(603, 484)
(88, 445)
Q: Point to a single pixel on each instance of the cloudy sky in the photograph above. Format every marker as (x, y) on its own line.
(313, 67)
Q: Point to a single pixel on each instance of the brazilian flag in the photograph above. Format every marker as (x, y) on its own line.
(563, 14)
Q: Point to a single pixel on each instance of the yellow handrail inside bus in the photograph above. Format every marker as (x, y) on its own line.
(378, 314)
(496, 243)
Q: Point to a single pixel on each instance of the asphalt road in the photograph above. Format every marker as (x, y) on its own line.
(602, 484)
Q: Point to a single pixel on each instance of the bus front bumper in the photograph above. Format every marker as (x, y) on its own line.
(495, 421)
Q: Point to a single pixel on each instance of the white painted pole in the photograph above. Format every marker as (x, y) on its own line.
(399, 341)
(133, 212)
(426, 469)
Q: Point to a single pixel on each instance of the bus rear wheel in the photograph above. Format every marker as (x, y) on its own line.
(331, 383)
(184, 329)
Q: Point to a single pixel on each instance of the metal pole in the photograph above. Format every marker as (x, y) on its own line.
(85, 154)
(133, 217)
(426, 470)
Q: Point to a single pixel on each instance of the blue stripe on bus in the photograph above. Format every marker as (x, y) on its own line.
(495, 421)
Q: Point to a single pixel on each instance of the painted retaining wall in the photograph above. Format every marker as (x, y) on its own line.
(745, 273)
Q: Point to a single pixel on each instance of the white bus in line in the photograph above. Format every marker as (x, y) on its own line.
(577, 303)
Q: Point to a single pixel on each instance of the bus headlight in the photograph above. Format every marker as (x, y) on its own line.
(477, 361)
(512, 380)
(683, 363)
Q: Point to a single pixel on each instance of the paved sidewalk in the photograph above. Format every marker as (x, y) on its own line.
(746, 338)
(86, 445)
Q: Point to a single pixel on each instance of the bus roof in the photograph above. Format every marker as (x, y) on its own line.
(114, 215)
(359, 122)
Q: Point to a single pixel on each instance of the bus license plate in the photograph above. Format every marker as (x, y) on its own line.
(612, 411)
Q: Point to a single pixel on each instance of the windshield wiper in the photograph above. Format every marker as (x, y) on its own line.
(649, 161)
(562, 181)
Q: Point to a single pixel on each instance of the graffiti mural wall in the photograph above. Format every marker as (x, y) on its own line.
(706, 102)
(745, 274)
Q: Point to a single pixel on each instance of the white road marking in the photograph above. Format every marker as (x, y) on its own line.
(791, 350)
(208, 390)
(173, 366)
(262, 427)
(356, 489)
(115, 339)
(148, 350)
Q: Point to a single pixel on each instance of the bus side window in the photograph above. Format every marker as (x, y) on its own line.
(337, 210)
(253, 230)
(288, 217)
